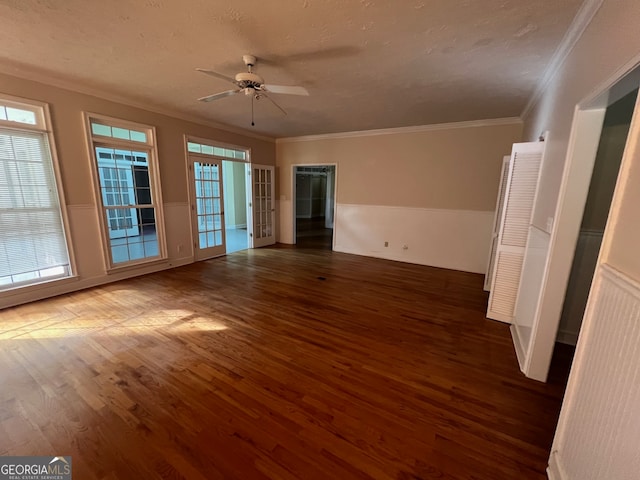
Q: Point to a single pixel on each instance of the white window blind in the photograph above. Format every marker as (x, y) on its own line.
(32, 241)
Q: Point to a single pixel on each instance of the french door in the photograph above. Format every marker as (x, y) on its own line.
(207, 206)
(264, 208)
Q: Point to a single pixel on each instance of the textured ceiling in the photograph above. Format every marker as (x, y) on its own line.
(367, 64)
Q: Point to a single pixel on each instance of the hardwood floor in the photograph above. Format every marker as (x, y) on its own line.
(276, 363)
(311, 233)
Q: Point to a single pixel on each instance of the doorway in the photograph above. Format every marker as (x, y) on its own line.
(236, 205)
(615, 129)
(314, 206)
(226, 205)
(558, 254)
(207, 207)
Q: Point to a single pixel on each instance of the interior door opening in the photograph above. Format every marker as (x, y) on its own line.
(207, 206)
(236, 201)
(550, 291)
(615, 130)
(314, 206)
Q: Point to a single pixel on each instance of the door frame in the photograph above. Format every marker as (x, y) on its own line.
(248, 201)
(294, 194)
(189, 180)
(584, 138)
(497, 218)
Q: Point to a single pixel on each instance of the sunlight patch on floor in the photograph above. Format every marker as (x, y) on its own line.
(161, 322)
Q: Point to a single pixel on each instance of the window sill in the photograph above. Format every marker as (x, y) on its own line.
(33, 287)
(137, 266)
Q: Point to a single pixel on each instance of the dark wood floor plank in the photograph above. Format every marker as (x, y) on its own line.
(277, 363)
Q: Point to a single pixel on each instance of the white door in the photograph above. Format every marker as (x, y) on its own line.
(522, 183)
(207, 212)
(496, 222)
(264, 208)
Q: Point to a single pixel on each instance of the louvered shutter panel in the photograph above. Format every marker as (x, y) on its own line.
(496, 222)
(519, 197)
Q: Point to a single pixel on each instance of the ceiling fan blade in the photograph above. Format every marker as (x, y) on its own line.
(216, 96)
(286, 89)
(262, 94)
(217, 75)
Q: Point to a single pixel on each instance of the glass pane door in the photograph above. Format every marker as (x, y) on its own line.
(263, 205)
(207, 208)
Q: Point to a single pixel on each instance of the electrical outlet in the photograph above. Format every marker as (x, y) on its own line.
(386, 244)
(405, 247)
(180, 248)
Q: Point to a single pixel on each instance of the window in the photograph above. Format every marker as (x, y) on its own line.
(127, 182)
(221, 152)
(33, 244)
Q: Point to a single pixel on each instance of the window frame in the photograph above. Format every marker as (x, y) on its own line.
(150, 147)
(215, 144)
(44, 125)
(190, 176)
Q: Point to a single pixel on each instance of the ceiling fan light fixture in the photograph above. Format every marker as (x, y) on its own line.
(252, 85)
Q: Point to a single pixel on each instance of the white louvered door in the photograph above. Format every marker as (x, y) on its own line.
(497, 218)
(519, 197)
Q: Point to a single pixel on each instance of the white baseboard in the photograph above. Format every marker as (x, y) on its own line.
(521, 354)
(554, 470)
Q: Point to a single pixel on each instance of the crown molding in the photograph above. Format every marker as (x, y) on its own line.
(580, 23)
(51, 80)
(414, 129)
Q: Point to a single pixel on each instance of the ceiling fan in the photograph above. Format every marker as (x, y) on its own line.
(251, 84)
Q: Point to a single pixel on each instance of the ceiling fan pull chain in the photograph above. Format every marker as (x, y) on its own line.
(252, 98)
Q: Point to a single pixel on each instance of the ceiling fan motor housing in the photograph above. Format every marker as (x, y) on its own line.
(249, 80)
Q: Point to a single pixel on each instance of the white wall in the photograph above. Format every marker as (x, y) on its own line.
(431, 188)
(454, 239)
(598, 430)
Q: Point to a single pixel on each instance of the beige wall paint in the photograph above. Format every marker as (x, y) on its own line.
(428, 194)
(455, 168)
(66, 111)
(624, 247)
(607, 48)
(235, 194)
(608, 44)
